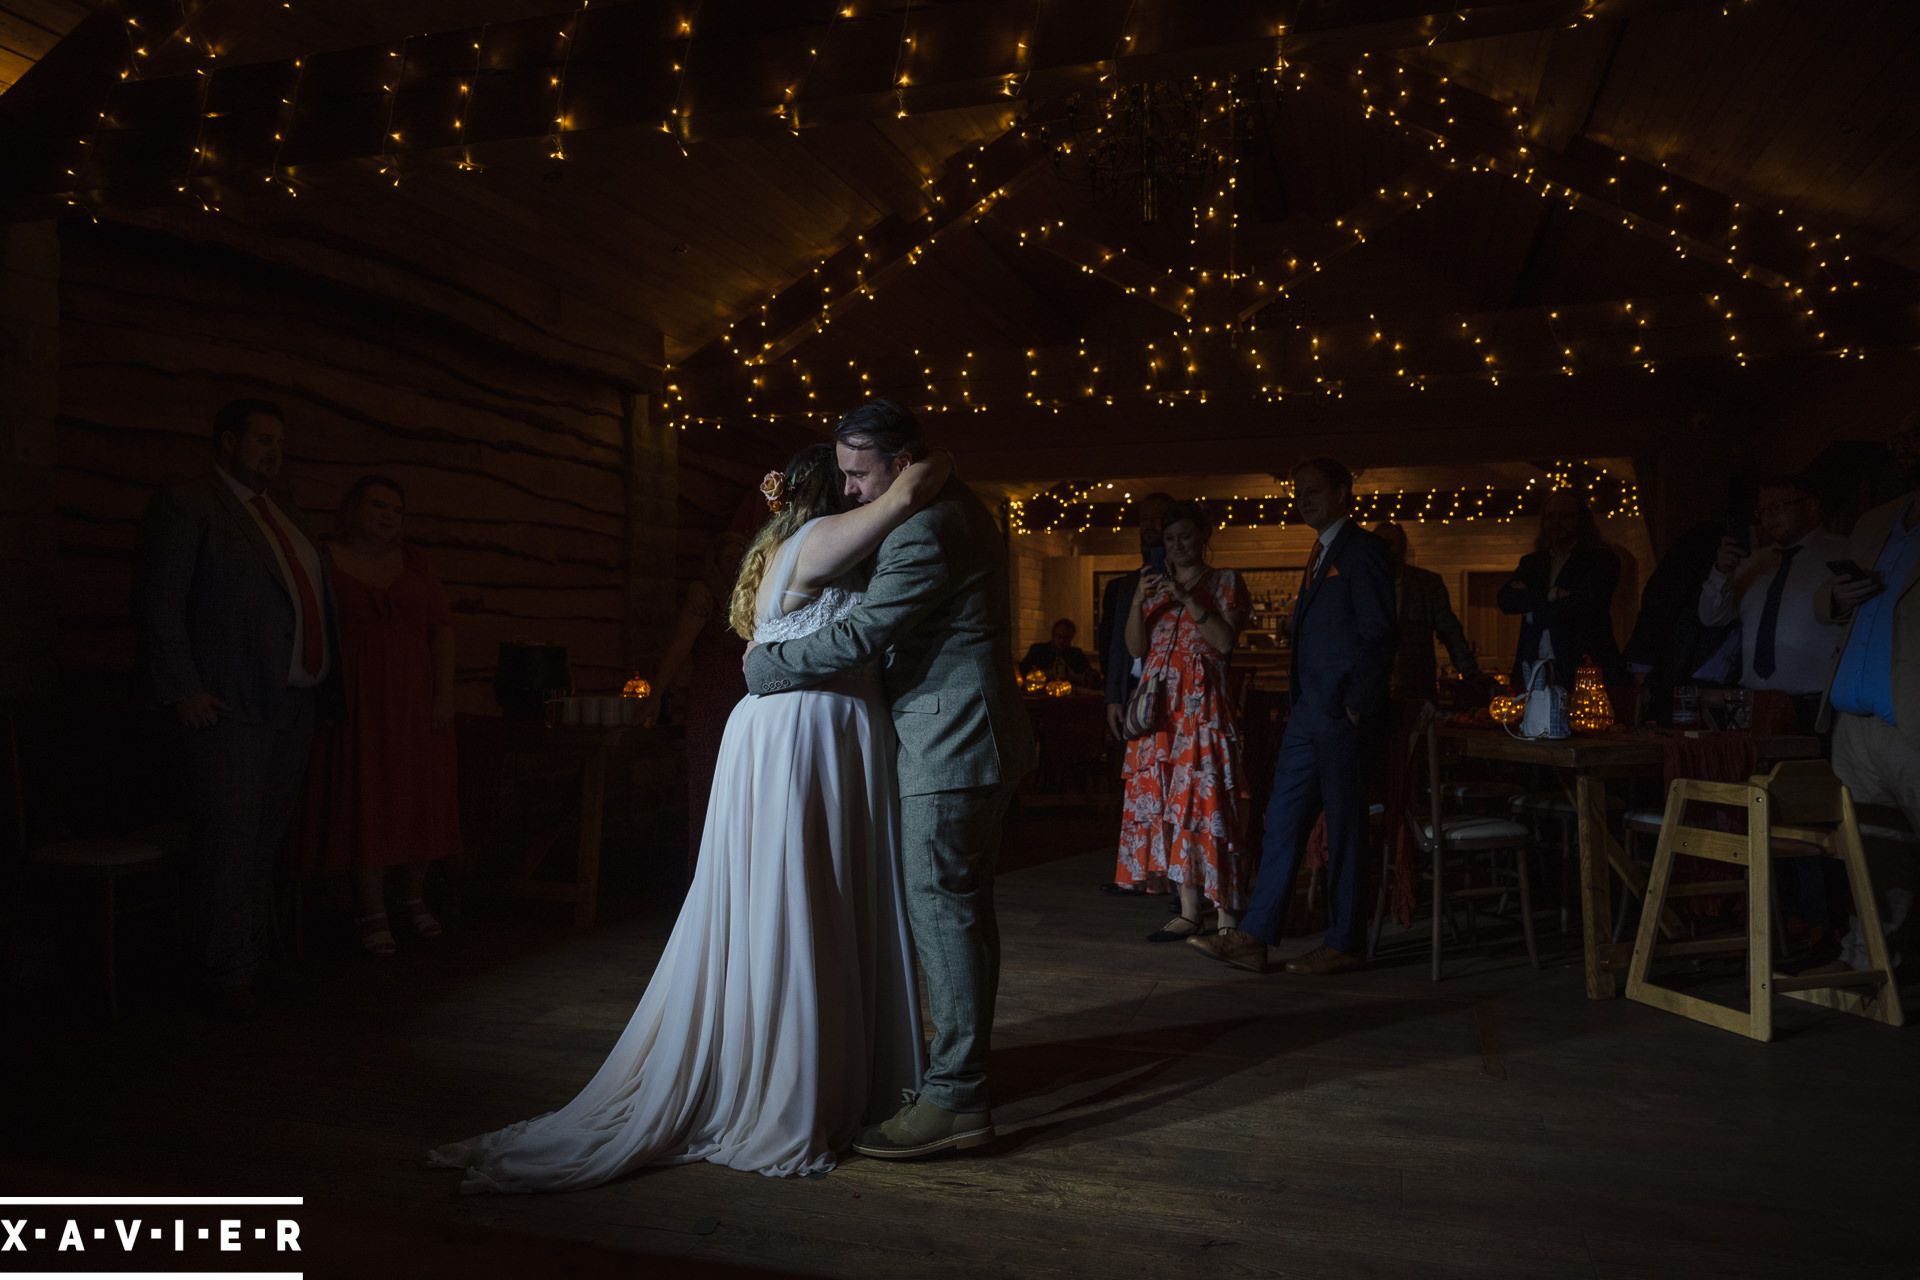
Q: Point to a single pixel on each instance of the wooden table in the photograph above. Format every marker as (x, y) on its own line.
(591, 746)
(1584, 767)
(1072, 735)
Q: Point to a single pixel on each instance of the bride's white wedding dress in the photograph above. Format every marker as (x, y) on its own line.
(783, 1012)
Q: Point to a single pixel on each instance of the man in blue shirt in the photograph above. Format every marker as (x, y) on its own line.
(1873, 700)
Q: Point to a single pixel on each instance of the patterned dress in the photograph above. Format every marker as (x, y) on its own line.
(1184, 776)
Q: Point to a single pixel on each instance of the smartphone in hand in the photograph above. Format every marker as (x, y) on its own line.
(1846, 569)
(1156, 560)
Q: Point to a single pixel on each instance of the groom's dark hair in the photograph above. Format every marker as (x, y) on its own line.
(883, 425)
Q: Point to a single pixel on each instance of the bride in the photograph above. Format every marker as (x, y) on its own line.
(782, 1015)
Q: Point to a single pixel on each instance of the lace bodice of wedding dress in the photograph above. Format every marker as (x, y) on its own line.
(832, 604)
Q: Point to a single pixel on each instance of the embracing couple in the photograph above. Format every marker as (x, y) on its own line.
(861, 785)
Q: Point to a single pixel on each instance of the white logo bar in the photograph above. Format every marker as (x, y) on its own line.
(111, 1200)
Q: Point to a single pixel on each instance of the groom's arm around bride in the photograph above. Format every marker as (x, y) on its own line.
(935, 610)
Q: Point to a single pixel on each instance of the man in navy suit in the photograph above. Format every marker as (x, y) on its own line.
(235, 613)
(1343, 645)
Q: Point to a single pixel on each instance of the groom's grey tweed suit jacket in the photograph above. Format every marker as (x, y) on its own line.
(937, 607)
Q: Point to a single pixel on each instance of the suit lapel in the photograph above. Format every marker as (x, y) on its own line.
(242, 519)
(1325, 568)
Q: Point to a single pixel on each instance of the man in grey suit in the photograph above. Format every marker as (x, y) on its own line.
(235, 617)
(937, 608)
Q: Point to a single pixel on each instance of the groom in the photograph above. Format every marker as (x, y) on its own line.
(937, 608)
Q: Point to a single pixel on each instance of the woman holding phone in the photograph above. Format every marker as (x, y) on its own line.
(1180, 823)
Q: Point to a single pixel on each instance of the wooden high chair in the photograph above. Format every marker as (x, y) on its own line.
(1799, 810)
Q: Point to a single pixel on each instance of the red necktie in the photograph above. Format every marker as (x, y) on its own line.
(310, 650)
(1313, 562)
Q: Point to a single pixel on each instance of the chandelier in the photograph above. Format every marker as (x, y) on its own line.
(1157, 145)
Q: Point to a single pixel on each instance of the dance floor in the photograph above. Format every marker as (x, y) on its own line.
(1160, 1115)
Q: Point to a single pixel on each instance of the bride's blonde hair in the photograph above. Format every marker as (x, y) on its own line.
(811, 487)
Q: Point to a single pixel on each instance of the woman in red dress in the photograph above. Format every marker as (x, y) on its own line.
(1180, 823)
(382, 791)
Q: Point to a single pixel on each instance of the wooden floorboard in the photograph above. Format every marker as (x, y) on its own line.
(1158, 1114)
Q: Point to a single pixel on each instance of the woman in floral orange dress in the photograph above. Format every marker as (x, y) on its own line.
(1180, 824)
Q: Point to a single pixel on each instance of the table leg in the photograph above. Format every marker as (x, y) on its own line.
(593, 803)
(1596, 898)
(1618, 859)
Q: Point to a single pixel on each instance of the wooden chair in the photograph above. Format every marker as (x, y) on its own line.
(102, 863)
(1491, 796)
(1455, 842)
(1551, 814)
(1799, 810)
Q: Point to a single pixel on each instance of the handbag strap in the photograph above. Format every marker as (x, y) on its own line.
(1182, 619)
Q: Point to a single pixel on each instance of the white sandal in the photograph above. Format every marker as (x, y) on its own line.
(376, 941)
(423, 922)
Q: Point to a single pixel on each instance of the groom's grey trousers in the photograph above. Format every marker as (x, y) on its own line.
(949, 845)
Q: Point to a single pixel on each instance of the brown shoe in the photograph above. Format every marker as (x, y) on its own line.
(1241, 950)
(920, 1128)
(1322, 961)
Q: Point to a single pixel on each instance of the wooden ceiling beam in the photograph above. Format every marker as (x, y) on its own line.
(534, 87)
(62, 94)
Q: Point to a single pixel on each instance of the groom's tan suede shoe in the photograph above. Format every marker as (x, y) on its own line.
(920, 1129)
(1241, 950)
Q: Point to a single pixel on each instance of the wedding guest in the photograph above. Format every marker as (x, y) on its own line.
(1873, 700)
(1423, 609)
(1564, 591)
(1342, 657)
(1180, 823)
(234, 612)
(1110, 630)
(382, 796)
(1060, 657)
(705, 648)
(1669, 645)
(1768, 593)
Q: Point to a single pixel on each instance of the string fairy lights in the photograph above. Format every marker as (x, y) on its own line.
(677, 125)
(389, 159)
(1083, 506)
(789, 105)
(466, 163)
(902, 75)
(292, 104)
(1235, 330)
(556, 142)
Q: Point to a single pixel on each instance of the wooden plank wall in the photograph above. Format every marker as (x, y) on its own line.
(517, 472)
(720, 469)
(29, 366)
